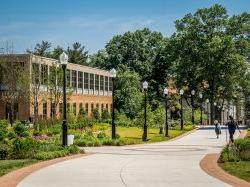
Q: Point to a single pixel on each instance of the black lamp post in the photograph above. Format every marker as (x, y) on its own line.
(181, 93)
(200, 95)
(208, 114)
(145, 133)
(166, 109)
(64, 61)
(113, 73)
(214, 112)
(192, 104)
(222, 120)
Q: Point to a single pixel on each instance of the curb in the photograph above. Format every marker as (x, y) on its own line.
(209, 164)
(13, 178)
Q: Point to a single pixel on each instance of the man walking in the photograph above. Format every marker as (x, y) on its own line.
(232, 125)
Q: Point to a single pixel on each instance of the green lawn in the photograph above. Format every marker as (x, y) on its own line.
(134, 134)
(240, 169)
(7, 166)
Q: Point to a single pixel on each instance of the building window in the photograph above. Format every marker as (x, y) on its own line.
(110, 84)
(52, 110)
(80, 79)
(107, 106)
(74, 108)
(86, 81)
(102, 107)
(101, 83)
(97, 82)
(87, 108)
(106, 83)
(97, 106)
(92, 107)
(68, 77)
(44, 74)
(45, 110)
(74, 78)
(35, 73)
(91, 82)
(60, 108)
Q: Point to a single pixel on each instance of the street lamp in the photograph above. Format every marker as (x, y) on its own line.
(181, 93)
(166, 109)
(64, 60)
(208, 114)
(214, 112)
(145, 87)
(222, 120)
(192, 104)
(113, 74)
(200, 95)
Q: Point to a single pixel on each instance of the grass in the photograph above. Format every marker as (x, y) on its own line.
(7, 166)
(240, 169)
(134, 134)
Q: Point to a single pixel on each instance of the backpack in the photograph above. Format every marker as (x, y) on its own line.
(231, 124)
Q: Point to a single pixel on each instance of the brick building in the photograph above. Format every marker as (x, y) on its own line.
(90, 88)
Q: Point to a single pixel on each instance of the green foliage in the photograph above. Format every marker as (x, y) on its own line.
(24, 148)
(4, 151)
(96, 114)
(105, 115)
(21, 129)
(51, 155)
(3, 129)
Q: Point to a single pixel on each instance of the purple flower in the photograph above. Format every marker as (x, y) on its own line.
(41, 137)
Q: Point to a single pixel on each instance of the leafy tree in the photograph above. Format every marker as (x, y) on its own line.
(77, 54)
(56, 52)
(96, 114)
(41, 49)
(206, 52)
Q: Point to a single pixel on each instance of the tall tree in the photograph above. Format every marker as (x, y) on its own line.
(206, 51)
(41, 49)
(77, 54)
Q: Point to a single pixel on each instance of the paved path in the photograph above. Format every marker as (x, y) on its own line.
(174, 163)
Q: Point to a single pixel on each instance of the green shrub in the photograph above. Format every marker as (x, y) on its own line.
(37, 133)
(80, 142)
(3, 129)
(242, 149)
(51, 155)
(96, 114)
(73, 149)
(4, 151)
(21, 129)
(24, 148)
(101, 135)
(105, 115)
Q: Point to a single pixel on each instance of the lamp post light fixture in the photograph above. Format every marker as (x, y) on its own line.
(208, 114)
(113, 74)
(166, 109)
(222, 120)
(181, 94)
(201, 96)
(192, 104)
(64, 60)
(145, 133)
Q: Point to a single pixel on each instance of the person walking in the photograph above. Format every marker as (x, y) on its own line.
(217, 128)
(232, 125)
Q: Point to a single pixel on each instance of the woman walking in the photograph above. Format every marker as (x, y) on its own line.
(217, 128)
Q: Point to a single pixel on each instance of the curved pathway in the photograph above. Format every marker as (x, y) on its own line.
(173, 163)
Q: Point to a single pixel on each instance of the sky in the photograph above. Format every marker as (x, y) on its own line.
(23, 23)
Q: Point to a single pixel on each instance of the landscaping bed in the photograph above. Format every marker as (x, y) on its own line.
(235, 159)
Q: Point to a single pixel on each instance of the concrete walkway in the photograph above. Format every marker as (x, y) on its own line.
(174, 163)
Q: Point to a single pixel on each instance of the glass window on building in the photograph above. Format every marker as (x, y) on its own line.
(44, 74)
(74, 108)
(52, 110)
(92, 107)
(74, 78)
(106, 83)
(35, 73)
(87, 108)
(97, 82)
(102, 107)
(68, 78)
(91, 81)
(110, 84)
(45, 110)
(80, 79)
(97, 106)
(107, 106)
(101, 83)
(86, 81)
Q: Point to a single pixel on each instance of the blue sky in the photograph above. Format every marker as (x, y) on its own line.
(93, 22)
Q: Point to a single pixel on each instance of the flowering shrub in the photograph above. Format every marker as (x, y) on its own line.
(41, 137)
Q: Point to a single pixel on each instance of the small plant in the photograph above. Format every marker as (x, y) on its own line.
(4, 151)
(21, 129)
(3, 129)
